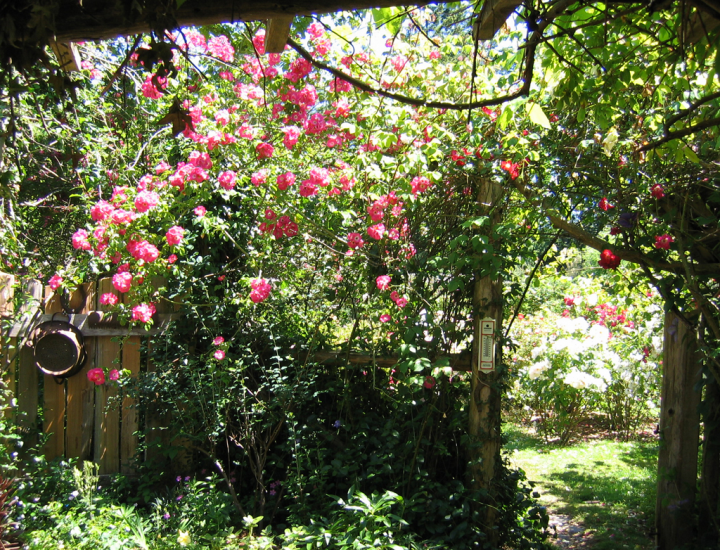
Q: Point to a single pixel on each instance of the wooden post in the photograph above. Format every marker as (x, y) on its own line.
(53, 397)
(484, 406)
(80, 390)
(27, 380)
(107, 420)
(679, 433)
(710, 477)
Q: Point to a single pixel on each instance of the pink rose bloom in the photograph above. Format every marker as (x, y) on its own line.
(354, 240)
(96, 376)
(144, 251)
(80, 240)
(114, 375)
(401, 302)
(200, 211)
(264, 151)
(657, 191)
(292, 133)
(429, 383)
(55, 281)
(174, 235)
(285, 180)
(227, 180)
(172, 258)
(162, 167)
(308, 189)
(122, 281)
(260, 290)
(219, 354)
(101, 211)
(143, 312)
(259, 177)
(270, 214)
(435, 54)
(419, 184)
(145, 200)
(383, 282)
(663, 242)
(218, 340)
(109, 299)
(222, 117)
(320, 176)
(384, 318)
(200, 160)
(376, 231)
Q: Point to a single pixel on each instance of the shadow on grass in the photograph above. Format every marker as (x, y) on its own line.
(517, 438)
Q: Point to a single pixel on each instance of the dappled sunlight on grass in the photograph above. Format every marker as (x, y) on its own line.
(607, 486)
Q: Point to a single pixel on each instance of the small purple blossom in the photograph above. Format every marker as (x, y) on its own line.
(179, 497)
(178, 479)
(166, 515)
(337, 424)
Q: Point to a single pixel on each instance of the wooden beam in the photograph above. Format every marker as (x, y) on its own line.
(457, 362)
(67, 56)
(99, 323)
(278, 31)
(103, 19)
(493, 15)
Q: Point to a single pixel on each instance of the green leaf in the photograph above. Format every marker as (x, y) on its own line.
(537, 115)
(690, 155)
(505, 118)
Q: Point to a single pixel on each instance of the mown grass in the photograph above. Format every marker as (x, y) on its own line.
(606, 486)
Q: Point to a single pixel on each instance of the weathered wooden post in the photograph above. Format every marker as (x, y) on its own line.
(484, 407)
(679, 434)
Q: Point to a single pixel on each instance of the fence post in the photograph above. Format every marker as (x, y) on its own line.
(129, 423)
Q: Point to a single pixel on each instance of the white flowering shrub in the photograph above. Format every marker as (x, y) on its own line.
(588, 354)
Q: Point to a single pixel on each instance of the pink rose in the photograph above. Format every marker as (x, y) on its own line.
(143, 312)
(218, 340)
(114, 375)
(122, 281)
(96, 376)
(200, 211)
(429, 383)
(227, 180)
(383, 282)
(109, 299)
(219, 354)
(384, 318)
(55, 281)
(264, 150)
(260, 290)
(354, 240)
(174, 235)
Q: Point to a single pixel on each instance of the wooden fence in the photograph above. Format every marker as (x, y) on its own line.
(81, 420)
(100, 423)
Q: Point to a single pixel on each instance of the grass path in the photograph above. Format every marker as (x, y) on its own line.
(600, 494)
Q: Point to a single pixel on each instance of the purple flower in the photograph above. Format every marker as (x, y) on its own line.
(187, 478)
(178, 479)
(627, 219)
(166, 515)
(179, 497)
(337, 424)
(272, 492)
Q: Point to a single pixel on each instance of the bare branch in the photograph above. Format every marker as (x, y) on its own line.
(669, 136)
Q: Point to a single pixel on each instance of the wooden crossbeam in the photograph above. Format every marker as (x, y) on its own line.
(67, 55)
(493, 15)
(98, 323)
(278, 31)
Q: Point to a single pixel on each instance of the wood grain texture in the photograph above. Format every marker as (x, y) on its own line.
(28, 377)
(8, 347)
(277, 33)
(103, 19)
(106, 438)
(129, 420)
(679, 435)
(53, 398)
(81, 391)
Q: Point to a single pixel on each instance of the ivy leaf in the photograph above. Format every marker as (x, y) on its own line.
(178, 117)
(537, 115)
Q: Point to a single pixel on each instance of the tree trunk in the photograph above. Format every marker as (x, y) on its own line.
(679, 433)
(484, 407)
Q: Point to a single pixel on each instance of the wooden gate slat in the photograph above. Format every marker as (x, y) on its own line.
(8, 349)
(107, 420)
(129, 424)
(80, 390)
(28, 379)
(53, 398)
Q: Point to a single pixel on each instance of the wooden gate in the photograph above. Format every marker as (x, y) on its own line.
(81, 420)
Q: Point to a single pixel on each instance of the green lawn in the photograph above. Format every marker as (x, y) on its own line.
(606, 486)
